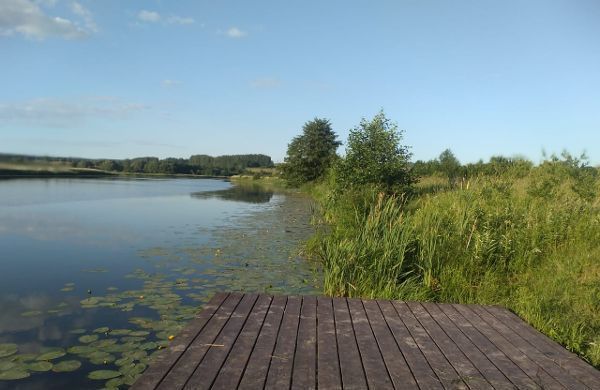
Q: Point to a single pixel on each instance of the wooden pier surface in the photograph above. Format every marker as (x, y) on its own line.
(251, 341)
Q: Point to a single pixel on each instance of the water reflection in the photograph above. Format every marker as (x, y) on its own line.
(248, 193)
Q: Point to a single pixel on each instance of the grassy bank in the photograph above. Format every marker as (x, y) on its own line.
(527, 241)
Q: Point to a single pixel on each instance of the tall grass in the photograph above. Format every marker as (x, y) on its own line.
(530, 243)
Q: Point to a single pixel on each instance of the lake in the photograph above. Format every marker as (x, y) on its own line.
(96, 275)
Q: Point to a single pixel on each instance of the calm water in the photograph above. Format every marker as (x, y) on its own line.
(102, 272)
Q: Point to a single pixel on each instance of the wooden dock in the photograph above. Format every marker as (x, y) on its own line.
(250, 341)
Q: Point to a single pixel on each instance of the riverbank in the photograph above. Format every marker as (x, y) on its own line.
(531, 244)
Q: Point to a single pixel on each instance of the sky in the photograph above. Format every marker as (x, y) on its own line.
(120, 79)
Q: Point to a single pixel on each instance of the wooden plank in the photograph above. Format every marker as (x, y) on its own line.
(231, 373)
(536, 373)
(493, 375)
(463, 366)
(443, 369)
(398, 369)
(180, 373)
(282, 361)
(422, 371)
(375, 369)
(353, 376)
(209, 367)
(162, 363)
(328, 362)
(554, 351)
(539, 358)
(305, 362)
(256, 371)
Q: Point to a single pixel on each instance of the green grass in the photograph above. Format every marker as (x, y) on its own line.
(531, 244)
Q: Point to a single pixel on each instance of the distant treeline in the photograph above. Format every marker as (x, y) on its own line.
(198, 164)
(448, 165)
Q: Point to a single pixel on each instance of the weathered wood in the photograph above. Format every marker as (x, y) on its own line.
(180, 373)
(422, 371)
(393, 357)
(305, 362)
(208, 369)
(282, 361)
(231, 373)
(466, 370)
(250, 341)
(483, 364)
(561, 356)
(164, 362)
(353, 376)
(542, 361)
(256, 371)
(535, 372)
(329, 375)
(443, 369)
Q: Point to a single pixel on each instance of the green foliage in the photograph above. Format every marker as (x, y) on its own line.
(374, 156)
(310, 154)
(450, 166)
(528, 242)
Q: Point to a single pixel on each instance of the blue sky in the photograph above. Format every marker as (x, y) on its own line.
(116, 79)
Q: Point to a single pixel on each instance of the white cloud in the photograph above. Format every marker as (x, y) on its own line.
(180, 20)
(149, 16)
(170, 83)
(265, 83)
(85, 14)
(155, 17)
(27, 18)
(65, 112)
(235, 32)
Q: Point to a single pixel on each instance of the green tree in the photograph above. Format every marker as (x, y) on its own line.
(310, 154)
(450, 166)
(375, 156)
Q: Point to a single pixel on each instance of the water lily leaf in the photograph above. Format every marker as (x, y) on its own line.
(103, 374)
(88, 338)
(131, 339)
(139, 333)
(13, 375)
(67, 366)
(77, 331)
(24, 357)
(32, 313)
(40, 366)
(113, 383)
(51, 355)
(90, 301)
(103, 329)
(120, 332)
(7, 365)
(124, 361)
(80, 350)
(8, 349)
(149, 345)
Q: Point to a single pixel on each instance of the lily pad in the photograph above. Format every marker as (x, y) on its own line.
(6, 365)
(77, 331)
(103, 329)
(13, 375)
(92, 301)
(67, 366)
(88, 338)
(40, 366)
(32, 313)
(51, 355)
(139, 333)
(113, 383)
(8, 349)
(103, 374)
(80, 350)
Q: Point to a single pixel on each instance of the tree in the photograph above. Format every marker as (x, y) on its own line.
(450, 166)
(310, 155)
(375, 156)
